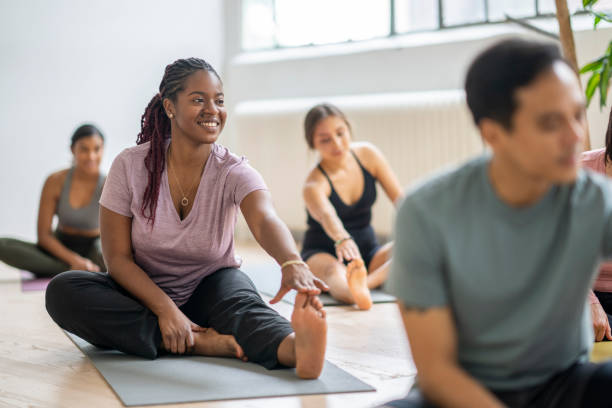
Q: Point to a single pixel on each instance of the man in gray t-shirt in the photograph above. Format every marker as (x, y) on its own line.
(493, 261)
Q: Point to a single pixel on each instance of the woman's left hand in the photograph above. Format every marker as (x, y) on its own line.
(300, 278)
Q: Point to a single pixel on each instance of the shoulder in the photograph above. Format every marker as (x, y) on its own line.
(369, 155)
(448, 185)
(226, 162)
(315, 182)
(138, 152)
(131, 159)
(55, 181)
(237, 168)
(594, 159)
(593, 154)
(592, 186)
(366, 151)
(223, 156)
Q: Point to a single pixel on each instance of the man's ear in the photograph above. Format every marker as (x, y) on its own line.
(492, 132)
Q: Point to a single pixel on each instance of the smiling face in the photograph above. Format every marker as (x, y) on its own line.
(548, 127)
(331, 138)
(87, 152)
(198, 113)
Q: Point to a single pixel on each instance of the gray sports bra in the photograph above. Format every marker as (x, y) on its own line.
(84, 218)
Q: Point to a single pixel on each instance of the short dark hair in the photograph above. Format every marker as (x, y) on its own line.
(316, 114)
(85, 130)
(497, 73)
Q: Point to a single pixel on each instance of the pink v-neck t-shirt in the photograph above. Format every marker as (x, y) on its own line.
(177, 254)
(594, 160)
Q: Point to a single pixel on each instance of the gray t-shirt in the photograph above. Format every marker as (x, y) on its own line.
(516, 280)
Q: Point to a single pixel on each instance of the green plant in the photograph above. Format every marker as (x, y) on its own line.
(601, 68)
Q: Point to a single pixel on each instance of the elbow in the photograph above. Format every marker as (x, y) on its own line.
(42, 238)
(116, 264)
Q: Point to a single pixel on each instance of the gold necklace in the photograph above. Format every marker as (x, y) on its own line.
(184, 200)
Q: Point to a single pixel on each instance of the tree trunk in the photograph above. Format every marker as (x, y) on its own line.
(569, 49)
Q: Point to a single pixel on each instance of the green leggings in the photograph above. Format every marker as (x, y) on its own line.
(31, 257)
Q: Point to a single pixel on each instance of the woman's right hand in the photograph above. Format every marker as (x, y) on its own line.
(83, 264)
(177, 330)
(347, 250)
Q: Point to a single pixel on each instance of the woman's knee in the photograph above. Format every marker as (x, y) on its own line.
(6, 244)
(63, 294)
(328, 270)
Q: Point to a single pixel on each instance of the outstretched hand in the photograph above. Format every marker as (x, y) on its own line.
(300, 278)
(347, 251)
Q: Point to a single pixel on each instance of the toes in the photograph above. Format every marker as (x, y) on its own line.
(316, 303)
(301, 300)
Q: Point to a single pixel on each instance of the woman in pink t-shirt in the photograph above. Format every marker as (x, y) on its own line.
(600, 160)
(167, 218)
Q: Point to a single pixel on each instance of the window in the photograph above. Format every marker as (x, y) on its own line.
(268, 24)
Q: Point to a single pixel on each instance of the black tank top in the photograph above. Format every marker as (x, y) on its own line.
(356, 216)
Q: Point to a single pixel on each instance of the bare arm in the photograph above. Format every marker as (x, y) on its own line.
(274, 237)
(433, 342)
(115, 231)
(383, 173)
(321, 209)
(46, 209)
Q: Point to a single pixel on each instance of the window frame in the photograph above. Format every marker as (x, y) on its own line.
(393, 32)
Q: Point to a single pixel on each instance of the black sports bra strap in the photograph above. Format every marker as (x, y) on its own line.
(357, 158)
(326, 176)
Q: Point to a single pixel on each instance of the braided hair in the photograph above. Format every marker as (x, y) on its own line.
(155, 126)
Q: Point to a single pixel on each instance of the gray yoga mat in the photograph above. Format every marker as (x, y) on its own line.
(267, 278)
(175, 379)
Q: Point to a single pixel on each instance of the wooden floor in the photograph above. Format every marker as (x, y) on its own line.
(40, 367)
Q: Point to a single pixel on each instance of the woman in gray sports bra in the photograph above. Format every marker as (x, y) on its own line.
(71, 194)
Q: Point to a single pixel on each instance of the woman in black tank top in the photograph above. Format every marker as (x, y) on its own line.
(71, 194)
(340, 245)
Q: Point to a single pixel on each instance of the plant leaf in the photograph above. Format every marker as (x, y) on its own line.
(588, 3)
(592, 86)
(593, 65)
(603, 84)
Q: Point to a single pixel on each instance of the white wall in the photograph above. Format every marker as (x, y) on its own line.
(403, 64)
(409, 63)
(64, 62)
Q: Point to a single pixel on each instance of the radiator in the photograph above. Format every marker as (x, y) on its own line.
(418, 133)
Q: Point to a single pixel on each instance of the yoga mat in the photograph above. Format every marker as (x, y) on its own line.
(175, 379)
(30, 283)
(267, 278)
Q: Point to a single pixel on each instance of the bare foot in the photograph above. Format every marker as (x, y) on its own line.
(211, 343)
(308, 321)
(357, 277)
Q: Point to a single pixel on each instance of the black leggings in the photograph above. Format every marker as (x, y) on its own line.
(94, 307)
(583, 385)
